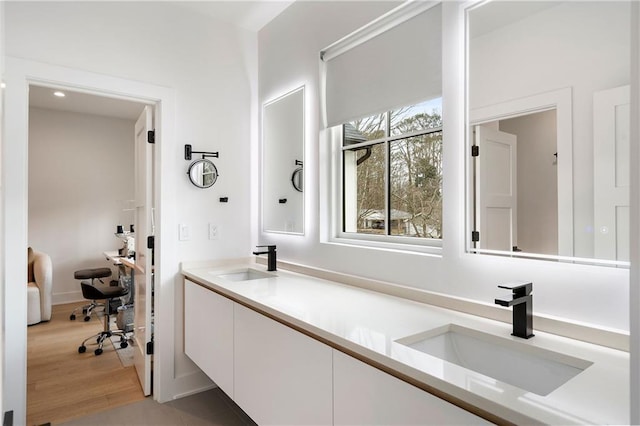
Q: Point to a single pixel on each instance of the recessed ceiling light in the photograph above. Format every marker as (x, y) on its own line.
(59, 94)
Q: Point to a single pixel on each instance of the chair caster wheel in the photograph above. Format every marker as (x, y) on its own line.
(82, 349)
(87, 318)
(98, 351)
(72, 317)
(123, 345)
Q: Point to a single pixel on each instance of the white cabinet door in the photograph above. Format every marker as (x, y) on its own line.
(282, 377)
(208, 333)
(364, 395)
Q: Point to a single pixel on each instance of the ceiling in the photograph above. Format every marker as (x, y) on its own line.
(247, 14)
(42, 97)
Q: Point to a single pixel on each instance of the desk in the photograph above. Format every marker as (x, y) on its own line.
(113, 256)
(116, 259)
(124, 279)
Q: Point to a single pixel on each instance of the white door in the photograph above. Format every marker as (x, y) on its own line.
(143, 277)
(496, 189)
(611, 127)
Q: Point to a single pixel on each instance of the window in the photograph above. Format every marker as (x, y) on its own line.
(386, 169)
(392, 173)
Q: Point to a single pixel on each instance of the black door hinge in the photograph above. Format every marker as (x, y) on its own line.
(151, 136)
(475, 150)
(149, 348)
(151, 242)
(475, 236)
(8, 418)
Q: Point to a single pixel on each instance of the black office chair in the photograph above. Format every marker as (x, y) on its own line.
(106, 293)
(92, 274)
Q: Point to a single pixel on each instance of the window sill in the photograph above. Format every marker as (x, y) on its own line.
(397, 246)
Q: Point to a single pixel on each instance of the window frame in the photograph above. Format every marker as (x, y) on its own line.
(387, 241)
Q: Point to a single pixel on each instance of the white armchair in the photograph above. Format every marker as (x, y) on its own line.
(39, 286)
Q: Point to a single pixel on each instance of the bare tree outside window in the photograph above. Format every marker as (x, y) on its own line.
(397, 179)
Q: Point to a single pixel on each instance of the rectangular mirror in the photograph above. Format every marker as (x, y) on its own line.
(548, 130)
(282, 163)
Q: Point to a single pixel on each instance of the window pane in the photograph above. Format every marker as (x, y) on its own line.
(425, 115)
(365, 129)
(364, 190)
(416, 186)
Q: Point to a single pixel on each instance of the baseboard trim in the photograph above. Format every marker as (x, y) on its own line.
(195, 391)
(67, 297)
(187, 384)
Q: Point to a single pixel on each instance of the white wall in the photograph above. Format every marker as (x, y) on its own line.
(164, 44)
(81, 170)
(209, 65)
(582, 293)
(2, 257)
(537, 181)
(287, 59)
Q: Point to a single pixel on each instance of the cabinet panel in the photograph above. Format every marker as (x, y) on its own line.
(208, 333)
(364, 395)
(282, 377)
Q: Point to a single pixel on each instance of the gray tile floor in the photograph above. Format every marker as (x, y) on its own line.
(211, 407)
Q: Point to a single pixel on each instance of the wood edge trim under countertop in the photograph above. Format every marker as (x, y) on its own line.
(615, 339)
(473, 409)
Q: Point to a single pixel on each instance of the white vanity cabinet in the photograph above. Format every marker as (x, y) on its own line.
(208, 333)
(282, 377)
(364, 395)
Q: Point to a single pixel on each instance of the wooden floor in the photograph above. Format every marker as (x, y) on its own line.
(63, 384)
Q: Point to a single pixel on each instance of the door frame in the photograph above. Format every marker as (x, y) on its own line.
(561, 101)
(19, 75)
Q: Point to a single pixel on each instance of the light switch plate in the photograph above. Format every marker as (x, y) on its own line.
(184, 232)
(213, 231)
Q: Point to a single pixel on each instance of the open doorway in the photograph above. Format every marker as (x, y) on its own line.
(516, 194)
(19, 75)
(81, 187)
(543, 120)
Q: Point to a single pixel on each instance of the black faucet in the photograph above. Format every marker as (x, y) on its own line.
(522, 303)
(271, 256)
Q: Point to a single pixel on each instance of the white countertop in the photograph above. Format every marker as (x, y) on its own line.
(369, 323)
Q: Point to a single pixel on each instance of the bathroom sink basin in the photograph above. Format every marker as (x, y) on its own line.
(525, 366)
(246, 274)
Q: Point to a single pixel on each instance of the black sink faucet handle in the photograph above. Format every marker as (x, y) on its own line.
(519, 289)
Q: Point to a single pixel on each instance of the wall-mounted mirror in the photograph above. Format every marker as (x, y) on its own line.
(203, 173)
(548, 130)
(282, 171)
